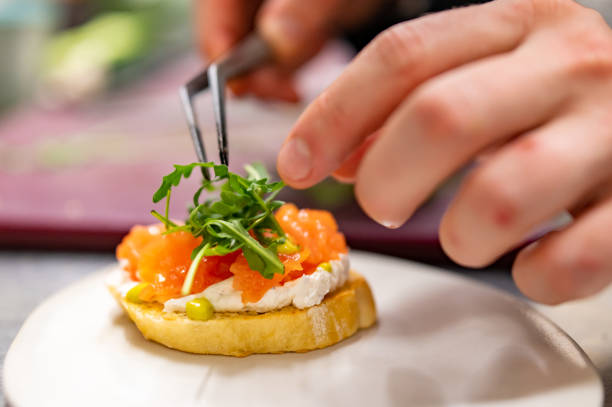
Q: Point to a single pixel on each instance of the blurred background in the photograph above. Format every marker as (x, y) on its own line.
(90, 121)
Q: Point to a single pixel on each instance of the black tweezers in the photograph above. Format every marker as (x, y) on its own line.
(248, 54)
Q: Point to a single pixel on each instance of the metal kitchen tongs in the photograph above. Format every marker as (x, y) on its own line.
(248, 54)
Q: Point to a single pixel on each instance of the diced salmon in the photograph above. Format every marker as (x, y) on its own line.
(133, 244)
(163, 260)
(316, 233)
(315, 230)
(253, 285)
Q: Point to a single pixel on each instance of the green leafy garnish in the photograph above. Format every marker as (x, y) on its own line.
(240, 217)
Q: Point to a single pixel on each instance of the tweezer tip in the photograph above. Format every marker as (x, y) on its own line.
(223, 157)
(205, 173)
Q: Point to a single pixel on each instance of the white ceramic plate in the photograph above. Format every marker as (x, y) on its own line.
(441, 340)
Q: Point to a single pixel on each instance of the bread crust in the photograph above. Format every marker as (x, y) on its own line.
(289, 329)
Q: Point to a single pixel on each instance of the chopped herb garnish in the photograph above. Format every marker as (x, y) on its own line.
(241, 217)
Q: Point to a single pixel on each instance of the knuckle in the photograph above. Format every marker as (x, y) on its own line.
(523, 12)
(552, 8)
(594, 64)
(399, 47)
(332, 114)
(590, 49)
(566, 265)
(584, 261)
(438, 114)
(579, 256)
(495, 197)
(581, 35)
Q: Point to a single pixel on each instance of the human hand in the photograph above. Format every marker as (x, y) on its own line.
(531, 79)
(295, 29)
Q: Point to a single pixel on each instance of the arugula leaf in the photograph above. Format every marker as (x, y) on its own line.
(183, 171)
(239, 217)
(256, 171)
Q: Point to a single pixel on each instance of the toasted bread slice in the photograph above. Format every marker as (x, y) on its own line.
(289, 329)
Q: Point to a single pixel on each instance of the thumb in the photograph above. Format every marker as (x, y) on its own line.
(297, 29)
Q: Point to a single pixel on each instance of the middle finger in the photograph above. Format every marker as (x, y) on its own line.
(448, 121)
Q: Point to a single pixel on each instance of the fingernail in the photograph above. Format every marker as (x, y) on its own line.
(390, 224)
(378, 211)
(295, 160)
(379, 198)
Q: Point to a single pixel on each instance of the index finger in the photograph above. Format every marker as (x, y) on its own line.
(222, 23)
(396, 62)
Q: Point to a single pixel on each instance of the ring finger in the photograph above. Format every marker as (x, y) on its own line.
(525, 184)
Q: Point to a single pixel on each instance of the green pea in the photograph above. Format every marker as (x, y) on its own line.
(326, 266)
(134, 294)
(288, 247)
(199, 309)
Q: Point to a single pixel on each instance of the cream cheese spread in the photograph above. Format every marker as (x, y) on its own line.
(303, 292)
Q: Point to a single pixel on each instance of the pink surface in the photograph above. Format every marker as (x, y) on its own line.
(80, 177)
